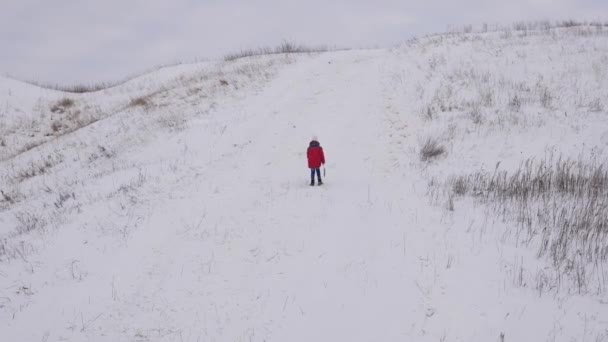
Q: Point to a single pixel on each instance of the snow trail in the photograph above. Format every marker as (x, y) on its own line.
(320, 269)
(289, 261)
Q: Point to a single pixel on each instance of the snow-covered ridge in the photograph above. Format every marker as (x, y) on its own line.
(49, 156)
(33, 115)
(182, 212)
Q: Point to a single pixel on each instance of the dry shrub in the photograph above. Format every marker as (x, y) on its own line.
(62, 105)
(460, 186)
(56, 126)
(431, 149)
(545, 97)
(515, 103)
(568, 23)
(9, 198)
(428, 113)
(475, 114)
(142, 101)
(29, 222)
(520, 26)
(66, 102)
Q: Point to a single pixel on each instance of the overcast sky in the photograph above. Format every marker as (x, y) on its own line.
(70, 41)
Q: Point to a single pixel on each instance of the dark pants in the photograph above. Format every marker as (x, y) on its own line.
(312, 174)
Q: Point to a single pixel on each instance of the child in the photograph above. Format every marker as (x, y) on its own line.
(315, 159)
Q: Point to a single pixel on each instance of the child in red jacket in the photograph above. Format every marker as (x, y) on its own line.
(315, 159)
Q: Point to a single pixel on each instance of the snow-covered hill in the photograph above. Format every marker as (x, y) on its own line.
(176, 206)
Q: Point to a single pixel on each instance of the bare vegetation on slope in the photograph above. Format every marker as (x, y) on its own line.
(62, 105)
(560, 206)
(431, 148)
(285, 47)
(580, 27)
(140, 101)
(510, 94)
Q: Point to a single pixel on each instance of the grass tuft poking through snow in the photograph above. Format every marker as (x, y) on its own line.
(430, 149)
(62, 105)
(141, 101)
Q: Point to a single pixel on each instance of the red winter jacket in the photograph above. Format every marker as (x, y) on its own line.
(315, 155)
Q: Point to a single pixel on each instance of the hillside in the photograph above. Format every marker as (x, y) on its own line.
(464, 197)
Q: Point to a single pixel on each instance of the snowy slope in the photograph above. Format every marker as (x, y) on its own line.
(190, 218)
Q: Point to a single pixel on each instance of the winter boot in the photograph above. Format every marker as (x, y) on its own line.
(312, 183)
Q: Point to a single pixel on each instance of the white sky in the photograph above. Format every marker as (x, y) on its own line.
(88, 41)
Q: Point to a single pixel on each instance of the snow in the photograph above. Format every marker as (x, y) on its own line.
(192, 219)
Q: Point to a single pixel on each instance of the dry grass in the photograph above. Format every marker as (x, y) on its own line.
(562, 202)
(66, 102)
(142, 101)
(430, 149)
(36, 167)
(285, 47)
(28, 222)
(530, 27)
(8, 198)
(56, 126)
(62, 105)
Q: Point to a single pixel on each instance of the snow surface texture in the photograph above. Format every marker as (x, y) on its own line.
(176, 207)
